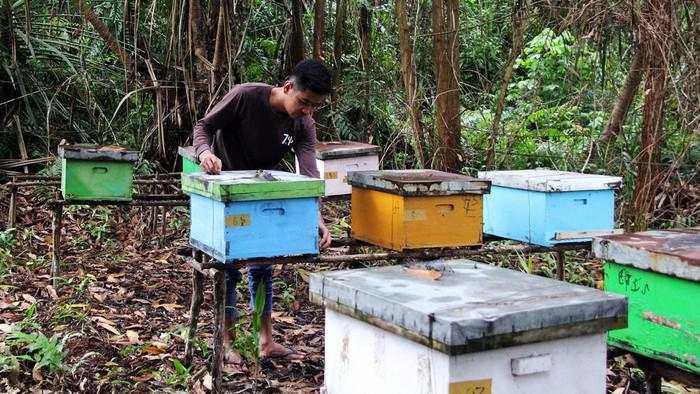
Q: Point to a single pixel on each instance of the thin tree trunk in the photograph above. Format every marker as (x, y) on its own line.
(364, 26)
(338, 36)
(655, 27)
(103, 31)
(196, 37)
(319, 28)
(218, 46)
(520, 13)
(446, 59)
(408, 71)
(629, 90)
(338, 40)
(296, 45)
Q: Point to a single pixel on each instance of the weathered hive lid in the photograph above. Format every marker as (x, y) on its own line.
(340, 149)
(471, 307)
(418, 182)
(672, 252)
(251, 185)
(187, 152)
(544, 180)
(97, 152)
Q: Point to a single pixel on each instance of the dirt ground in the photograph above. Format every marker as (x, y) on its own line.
(117, 321)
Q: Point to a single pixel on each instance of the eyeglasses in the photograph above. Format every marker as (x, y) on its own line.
(308, 104)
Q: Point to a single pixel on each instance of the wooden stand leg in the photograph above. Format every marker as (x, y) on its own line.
(559, 256)
(12, 212)
(56, 224)
(217, 357)
(195, 305)
(653, 382)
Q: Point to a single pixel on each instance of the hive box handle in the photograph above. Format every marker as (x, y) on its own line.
(99, 170)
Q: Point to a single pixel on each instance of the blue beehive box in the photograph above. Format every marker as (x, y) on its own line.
(240, 215)
(546, 207)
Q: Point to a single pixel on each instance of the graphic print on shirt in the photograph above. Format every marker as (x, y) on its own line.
(287, 140)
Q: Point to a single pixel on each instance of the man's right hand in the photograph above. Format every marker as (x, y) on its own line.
(209, 162)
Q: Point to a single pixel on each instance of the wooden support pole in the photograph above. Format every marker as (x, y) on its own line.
(559, 256)
(217, 356)
(406, 255)
(195, 305)
(56, 224)
(12, 212)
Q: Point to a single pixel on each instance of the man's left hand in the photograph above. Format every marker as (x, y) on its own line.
(324, 240)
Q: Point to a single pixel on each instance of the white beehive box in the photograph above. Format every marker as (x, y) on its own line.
(336, 159)
(463, 327)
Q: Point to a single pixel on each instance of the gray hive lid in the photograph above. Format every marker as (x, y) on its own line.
(188, 152)
(672, 252)
(418, 182)
(97, 152)
(544, 180)
(471, 307)
(341, 149)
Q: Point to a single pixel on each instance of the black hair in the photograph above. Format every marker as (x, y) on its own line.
(311, 75)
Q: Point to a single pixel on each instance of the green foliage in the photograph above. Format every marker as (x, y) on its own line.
(286, 292)
(37, 349)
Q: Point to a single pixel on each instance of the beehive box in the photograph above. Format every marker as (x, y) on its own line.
(336, 159)
(239, 215)
(546, 207)
(189, 159)
(462, 327)
(99, 173)
(659, 272)
(409, 209)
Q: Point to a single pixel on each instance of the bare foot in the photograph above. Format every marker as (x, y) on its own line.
(232, 357)
(275, 350)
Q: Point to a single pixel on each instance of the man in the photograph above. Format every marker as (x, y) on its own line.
(252, 128)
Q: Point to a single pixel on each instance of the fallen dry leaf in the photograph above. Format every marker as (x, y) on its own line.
(425, 274)
(168, 307)
(133, 337)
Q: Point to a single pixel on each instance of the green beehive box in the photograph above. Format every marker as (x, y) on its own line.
(659, 272)
(96, 173)
(189, 159)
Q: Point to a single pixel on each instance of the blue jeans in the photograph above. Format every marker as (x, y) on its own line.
(256, 274)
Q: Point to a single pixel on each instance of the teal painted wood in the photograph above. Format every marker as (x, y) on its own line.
(664, 318)
(535, 217)
(252, 185)
(231, 231)
(94, 180)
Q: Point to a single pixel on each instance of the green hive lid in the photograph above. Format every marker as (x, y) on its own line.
(251, 185)
(97, 152)
(418, 182)
(673, 252)
(187, 152)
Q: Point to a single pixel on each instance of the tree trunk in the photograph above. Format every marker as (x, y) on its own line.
(408, 72)
(520, 13)
(655, 26)
(103, 31)
(196, 36)
(338, 37)
(319, 28)
(296, 44)
(629, 90)
(364, 24)
(446, 59)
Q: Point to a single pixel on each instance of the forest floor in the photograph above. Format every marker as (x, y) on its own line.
(117, 321)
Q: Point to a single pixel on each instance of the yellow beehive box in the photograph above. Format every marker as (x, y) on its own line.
(411, 209)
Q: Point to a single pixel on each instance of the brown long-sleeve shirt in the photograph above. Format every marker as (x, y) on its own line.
(246, 133)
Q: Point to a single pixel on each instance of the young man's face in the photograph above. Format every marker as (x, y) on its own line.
(299, 103)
